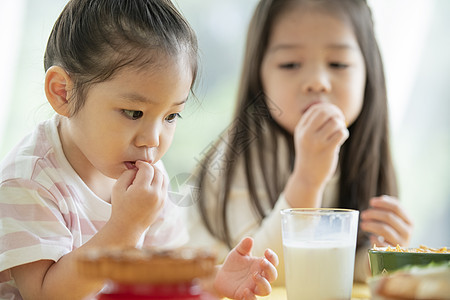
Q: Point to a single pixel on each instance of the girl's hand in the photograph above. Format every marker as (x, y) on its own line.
(388, 222)
(138, 197)
(243, 276)
(318, 137)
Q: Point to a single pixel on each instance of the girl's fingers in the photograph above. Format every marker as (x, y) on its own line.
(145, 173)
(162, 181)
(336, 133)
(263, 287)
(318, 115)
(388, 211)
(165, 185)
(248, 295)
(271, 256)
(158, 178)
(125, 180)
(386, 217)
(325, 124)
(245, 246)
(268, 270)
(378, 241)
(329, 126)
(381, 229)
(390, 204)
(150, 175)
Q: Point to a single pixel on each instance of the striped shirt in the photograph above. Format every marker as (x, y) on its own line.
(46, 210)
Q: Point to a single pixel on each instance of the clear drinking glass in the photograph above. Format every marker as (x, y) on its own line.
(319, 252)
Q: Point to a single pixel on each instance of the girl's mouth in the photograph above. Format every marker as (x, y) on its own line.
(310, 105)
(130, 165)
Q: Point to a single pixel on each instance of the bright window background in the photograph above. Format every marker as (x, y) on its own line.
(414, 36)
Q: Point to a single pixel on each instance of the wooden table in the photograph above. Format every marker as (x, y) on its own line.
(360, 292)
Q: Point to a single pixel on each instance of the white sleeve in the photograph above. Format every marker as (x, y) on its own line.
(199, 236)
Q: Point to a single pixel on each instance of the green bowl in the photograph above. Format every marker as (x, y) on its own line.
(382, 262)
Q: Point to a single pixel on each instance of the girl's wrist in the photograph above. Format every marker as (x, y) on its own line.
(300, 193)
(121, 234)
(209, 284)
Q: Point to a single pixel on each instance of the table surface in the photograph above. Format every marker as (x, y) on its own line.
(360, 291)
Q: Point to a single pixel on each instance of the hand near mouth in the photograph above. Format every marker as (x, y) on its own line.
(138, 197)
(318, 137)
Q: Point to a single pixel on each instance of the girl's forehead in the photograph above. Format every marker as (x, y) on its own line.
(330, 7)
(302, 24)
(160, 62)
(298, 11)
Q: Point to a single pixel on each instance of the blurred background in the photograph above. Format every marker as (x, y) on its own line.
(414, 37)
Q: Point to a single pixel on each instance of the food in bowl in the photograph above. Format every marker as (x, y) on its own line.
(384, 260)
(421, 249)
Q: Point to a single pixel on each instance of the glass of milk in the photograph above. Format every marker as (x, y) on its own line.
(319, 252)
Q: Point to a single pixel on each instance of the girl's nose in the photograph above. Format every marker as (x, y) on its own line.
(316, 81)
(148, 137)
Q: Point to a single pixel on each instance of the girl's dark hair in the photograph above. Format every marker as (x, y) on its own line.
(365, 164)
(93, 39)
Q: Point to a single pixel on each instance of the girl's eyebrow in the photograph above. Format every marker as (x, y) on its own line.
(181, 102)
(343, 46)
(137, 98)
(284, 47)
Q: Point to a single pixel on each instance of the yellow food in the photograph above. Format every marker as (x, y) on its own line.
(421, 249)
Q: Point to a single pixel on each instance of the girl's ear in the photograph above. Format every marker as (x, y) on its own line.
(58, 89)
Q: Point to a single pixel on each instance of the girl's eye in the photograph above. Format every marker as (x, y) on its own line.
(337, 65)
(173, 117)
(133, 114)
(290, 66)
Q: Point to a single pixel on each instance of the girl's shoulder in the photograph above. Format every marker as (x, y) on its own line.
(35, 152)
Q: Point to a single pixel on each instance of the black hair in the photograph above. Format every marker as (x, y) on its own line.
(93, 39)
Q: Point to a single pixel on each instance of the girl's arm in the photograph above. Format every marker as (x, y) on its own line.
(135, 205)
(317, 138)
(46, 279)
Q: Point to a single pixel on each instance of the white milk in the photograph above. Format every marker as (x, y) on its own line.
(319, 271)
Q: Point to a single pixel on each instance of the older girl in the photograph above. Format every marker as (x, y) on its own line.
(310, 130)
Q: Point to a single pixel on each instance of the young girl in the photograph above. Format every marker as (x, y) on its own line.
(118, 74)
(310, 130)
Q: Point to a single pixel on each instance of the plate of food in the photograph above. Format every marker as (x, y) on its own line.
(384, 260)
(409, 273)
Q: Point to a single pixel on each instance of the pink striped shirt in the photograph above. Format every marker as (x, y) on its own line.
(46, 210)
